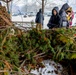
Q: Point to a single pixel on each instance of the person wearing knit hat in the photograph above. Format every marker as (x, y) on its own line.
(70, 15)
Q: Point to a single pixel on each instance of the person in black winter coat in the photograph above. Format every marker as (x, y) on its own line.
(55, 20)
(63, 15)
(0, 4)
(39, 17)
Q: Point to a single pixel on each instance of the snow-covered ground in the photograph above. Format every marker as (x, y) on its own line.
(30, 19)
(74, 20)
(51, 68)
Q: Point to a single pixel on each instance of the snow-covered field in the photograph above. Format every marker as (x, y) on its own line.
(30, 19)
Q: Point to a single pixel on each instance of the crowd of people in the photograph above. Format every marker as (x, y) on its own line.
(59, 18)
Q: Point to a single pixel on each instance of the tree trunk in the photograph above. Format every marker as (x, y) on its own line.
(7, 6)
(7, 2)
(42, 6)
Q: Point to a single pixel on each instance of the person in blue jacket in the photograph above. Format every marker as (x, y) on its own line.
(39, 17)
(63, 15)
(55, 20)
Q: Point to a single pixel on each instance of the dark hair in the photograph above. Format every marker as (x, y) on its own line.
(56, 9)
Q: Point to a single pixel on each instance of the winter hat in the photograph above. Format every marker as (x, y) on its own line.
(69, 9)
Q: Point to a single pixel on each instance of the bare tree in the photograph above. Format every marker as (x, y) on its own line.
(42, 6)
(43, 3)
(7, 2)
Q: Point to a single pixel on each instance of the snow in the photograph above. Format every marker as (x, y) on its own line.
(74, 20)
(30, 19)
(49, 69)
(21, 18)
(57, 2)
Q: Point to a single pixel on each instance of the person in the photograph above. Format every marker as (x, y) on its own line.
(55, 19)
(0, 4)
(70, 16)
(39, 19)
(63, 15)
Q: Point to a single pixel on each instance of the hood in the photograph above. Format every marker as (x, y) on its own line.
(57, 10)
(40, 10)
(65, 7)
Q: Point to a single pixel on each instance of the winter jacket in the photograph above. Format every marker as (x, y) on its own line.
(0, 4)
(39, 17)
(62, 14)
(55, 20)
